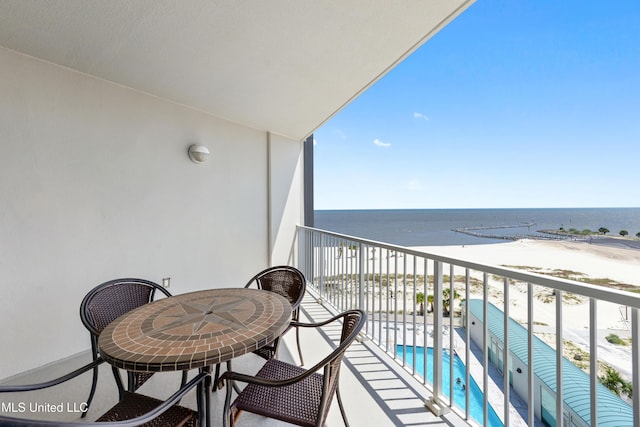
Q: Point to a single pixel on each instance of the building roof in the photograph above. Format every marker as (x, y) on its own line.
(612, 410)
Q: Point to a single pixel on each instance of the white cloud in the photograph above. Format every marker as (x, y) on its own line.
(417, 115)
(414, 185)
(340, 133)
(381, 143)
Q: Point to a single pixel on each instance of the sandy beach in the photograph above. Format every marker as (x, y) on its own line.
(593, 260)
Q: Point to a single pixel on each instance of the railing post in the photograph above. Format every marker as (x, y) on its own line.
(530, 359)
(361, 277)
(434, 403)
(635, 357)
(559, 357)
(361, 260)
(485, 347)
(321, 257)
(467, 328)
(505, 352)
(593, 363)
(451, 330)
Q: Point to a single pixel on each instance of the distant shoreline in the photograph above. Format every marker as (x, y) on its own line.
(434, 227)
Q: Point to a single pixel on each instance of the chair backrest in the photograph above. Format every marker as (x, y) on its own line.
(110, 300)
(283, 280)
(352, 323)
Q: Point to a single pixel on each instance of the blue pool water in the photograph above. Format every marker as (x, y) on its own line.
(476, 397)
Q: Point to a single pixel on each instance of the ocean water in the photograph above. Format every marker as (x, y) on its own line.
(434, 227)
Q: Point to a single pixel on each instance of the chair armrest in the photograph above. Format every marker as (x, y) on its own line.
(149, 416)
(311, 325)
(51, 383)
(236, 376)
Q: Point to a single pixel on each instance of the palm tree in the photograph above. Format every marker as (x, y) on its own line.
(420, 300)
(446, 300)
(430, 302)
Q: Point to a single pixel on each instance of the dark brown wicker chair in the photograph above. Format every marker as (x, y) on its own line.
(291, 284)
(291, 393)
(132, 410)
(105, 303)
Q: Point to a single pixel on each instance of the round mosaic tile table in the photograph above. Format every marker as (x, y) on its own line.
(194, 330)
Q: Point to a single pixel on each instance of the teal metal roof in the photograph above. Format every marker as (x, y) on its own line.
(612, 410)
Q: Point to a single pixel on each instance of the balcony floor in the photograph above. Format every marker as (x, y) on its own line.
(375, 390)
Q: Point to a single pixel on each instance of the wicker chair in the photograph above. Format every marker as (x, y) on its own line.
(291, 284)
(105, 303)
(132, 410)
(291, 393)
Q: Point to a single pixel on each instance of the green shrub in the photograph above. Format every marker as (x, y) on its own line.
(614, 339)
(614, 382)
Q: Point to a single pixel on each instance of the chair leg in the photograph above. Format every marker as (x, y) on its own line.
(215, 378)
(299, 349)
(94, 383)
(132, 383)
(116, 376)
(201, 390)
(344, 415)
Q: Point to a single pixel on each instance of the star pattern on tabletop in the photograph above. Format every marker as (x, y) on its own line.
(199, 315)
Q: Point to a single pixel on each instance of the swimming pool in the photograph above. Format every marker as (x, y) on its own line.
(476, 398)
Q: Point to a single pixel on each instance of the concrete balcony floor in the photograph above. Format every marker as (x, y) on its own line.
(375, 390)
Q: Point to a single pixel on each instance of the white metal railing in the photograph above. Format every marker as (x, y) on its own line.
(393, 284)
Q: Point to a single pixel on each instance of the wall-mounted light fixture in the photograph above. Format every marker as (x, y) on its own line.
(198, 153)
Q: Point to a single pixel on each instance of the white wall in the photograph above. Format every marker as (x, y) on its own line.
(286, 195)
(95, 184)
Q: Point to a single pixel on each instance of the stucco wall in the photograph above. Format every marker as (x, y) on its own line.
(286, 195)
(95, 184)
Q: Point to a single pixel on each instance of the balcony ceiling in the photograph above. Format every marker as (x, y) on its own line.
(284, 66)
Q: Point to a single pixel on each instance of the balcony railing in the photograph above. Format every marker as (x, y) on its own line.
(470, 317)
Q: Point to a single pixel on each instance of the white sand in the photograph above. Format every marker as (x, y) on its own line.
(596, 261)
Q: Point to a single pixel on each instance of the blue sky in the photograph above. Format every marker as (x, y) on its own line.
(531, 103)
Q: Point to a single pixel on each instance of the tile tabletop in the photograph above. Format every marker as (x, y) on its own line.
(195, 329)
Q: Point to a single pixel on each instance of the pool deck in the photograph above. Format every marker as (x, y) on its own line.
(518, 407)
